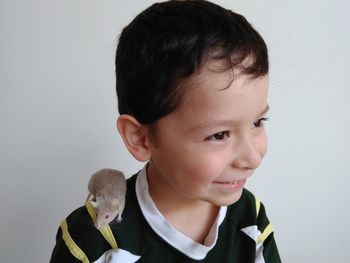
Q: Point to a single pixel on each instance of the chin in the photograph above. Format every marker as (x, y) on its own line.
(226, 201)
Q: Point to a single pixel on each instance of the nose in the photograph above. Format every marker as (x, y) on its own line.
(248, 152)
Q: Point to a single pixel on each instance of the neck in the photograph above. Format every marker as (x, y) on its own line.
(192, 217)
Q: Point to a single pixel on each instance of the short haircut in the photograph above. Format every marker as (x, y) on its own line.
(168, 42)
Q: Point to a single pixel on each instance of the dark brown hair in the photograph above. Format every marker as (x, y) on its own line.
(168, 42)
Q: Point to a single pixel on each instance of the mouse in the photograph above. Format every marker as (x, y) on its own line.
(107, 189)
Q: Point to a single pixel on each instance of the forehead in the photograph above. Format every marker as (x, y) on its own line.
(223, 92)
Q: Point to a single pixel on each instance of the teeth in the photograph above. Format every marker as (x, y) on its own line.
(234, 182)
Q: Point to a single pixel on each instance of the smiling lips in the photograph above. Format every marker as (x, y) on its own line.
(231, 182)
(234, 184)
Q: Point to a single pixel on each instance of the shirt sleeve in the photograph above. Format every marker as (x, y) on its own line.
(61, 252)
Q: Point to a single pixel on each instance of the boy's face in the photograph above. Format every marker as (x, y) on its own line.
(209, 146)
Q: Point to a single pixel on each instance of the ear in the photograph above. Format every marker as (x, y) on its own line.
(94, 203)
(135, 137)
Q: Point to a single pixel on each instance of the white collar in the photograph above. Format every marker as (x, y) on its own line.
(166, 231)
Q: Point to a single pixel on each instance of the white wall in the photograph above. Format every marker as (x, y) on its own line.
(58, 110)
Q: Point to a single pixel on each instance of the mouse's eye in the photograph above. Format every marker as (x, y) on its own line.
(106, 216)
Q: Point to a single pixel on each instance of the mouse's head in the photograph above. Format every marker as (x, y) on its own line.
(106, 210)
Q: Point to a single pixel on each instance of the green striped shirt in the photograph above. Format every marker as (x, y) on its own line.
(243, 234)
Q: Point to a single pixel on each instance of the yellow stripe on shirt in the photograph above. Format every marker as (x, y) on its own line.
(257, 204)
(267, 231)
(72, 246)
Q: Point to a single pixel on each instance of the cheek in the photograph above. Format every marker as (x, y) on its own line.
(202, 166)
(188, 166)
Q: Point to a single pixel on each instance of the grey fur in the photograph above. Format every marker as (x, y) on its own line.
(107, 189)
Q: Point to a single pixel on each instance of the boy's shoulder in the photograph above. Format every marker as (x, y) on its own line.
(246, 207)
(248, 211)
(83, 217)
(78, 239)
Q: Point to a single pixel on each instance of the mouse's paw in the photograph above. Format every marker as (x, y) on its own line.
(119, 218)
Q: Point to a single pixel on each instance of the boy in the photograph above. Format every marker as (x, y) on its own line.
(192, 82)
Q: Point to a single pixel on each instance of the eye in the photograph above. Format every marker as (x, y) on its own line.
(219, 136)
(259, 123)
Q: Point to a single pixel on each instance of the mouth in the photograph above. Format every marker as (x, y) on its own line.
(232, 184)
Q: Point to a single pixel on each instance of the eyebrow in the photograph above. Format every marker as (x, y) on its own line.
(224, 122)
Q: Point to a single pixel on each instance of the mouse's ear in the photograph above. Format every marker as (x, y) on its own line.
(94, 203)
